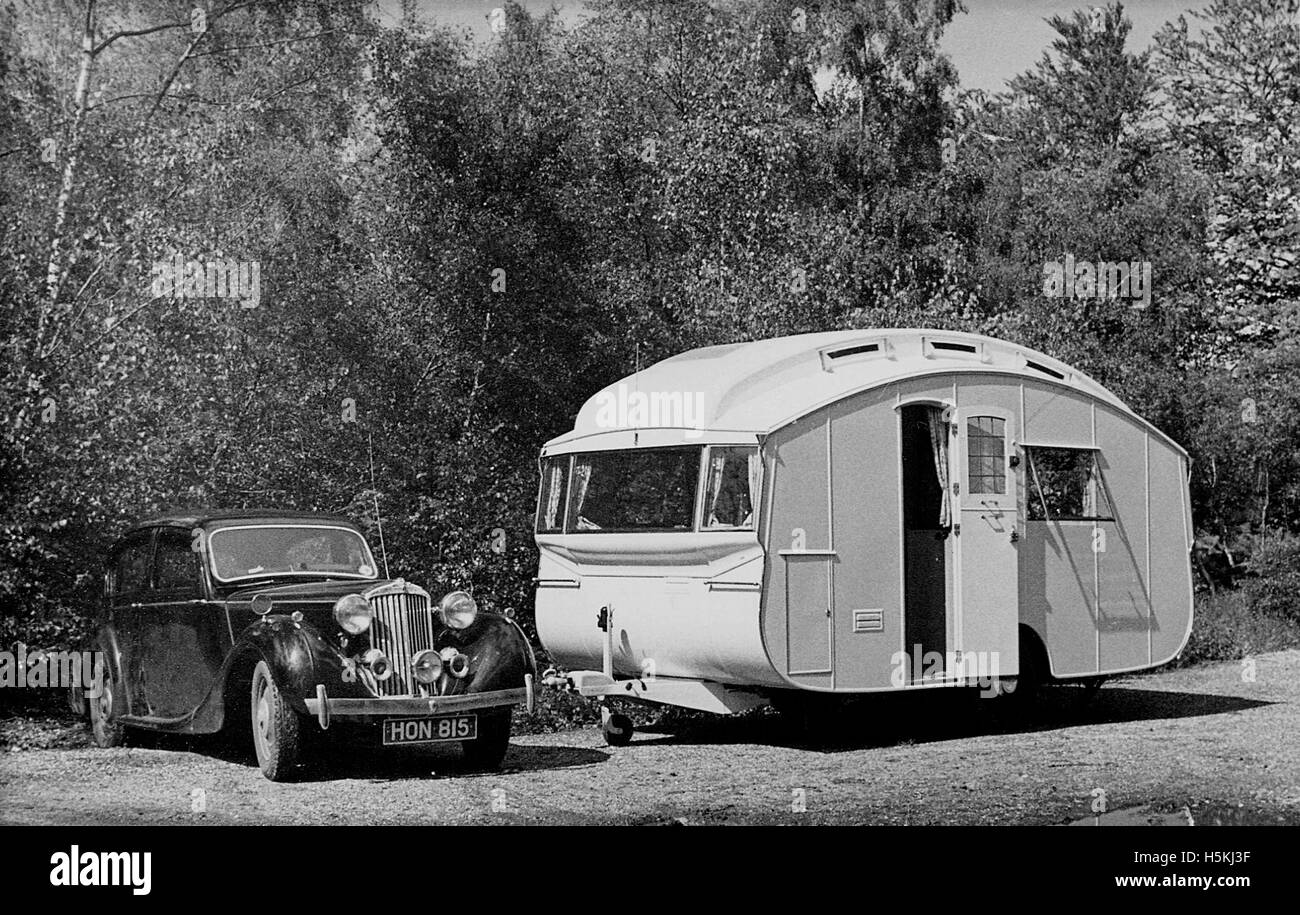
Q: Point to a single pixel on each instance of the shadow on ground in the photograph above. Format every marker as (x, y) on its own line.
(869, 722)
(938, 715)
(353, 756)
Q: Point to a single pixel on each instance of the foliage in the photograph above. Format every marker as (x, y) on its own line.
(458, 243)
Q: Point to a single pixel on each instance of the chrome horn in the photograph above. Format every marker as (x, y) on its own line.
(459, 666)
(377, 663)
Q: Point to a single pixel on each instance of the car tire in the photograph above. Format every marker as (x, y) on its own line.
(487, 751)
(106, 727)
(277, 730)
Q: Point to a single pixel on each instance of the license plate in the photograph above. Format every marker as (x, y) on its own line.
(430, 730)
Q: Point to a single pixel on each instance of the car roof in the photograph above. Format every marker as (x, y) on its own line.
(202, 517)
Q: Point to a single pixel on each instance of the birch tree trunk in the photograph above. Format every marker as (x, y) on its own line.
(56, 270)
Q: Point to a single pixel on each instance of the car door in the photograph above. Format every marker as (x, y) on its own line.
(186, 635)
(128, 589)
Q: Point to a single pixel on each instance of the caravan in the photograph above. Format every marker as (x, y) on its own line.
(858, 512)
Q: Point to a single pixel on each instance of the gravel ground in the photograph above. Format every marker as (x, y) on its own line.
(1202, 743)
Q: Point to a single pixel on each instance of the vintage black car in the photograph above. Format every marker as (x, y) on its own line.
(279, 622)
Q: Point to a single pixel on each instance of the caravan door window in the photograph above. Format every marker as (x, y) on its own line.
(733, 476)
(643, 490)
(986, 443)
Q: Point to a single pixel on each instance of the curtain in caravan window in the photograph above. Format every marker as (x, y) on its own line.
(1095, 504)
(581, 477)
(939, 448)
(717, 463)
(553, 495)
(755, 484)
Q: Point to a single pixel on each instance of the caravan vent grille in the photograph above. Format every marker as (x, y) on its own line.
(868, 620)
(954, 347)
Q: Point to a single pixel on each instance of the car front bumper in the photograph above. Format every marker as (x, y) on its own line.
(326, 709)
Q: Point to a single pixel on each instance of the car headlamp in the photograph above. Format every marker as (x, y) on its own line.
(458, 610)
(352, 613)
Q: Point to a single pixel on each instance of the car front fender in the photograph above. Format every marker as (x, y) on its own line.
(499, 654)
(298, 657)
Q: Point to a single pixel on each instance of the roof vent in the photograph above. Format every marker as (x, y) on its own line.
(853, 350)
(933, 348)
(1037, 367)
(832, 358)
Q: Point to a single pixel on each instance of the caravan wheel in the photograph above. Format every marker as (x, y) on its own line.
(617, 729)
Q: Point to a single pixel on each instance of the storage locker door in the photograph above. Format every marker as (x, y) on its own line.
(808, 603)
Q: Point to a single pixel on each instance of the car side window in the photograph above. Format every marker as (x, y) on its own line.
(131, 566)
(175, 564)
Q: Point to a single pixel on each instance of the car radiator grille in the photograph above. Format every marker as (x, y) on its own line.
(402, 625)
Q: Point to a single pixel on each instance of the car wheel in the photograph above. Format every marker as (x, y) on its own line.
(277, 732)
(618, 730)
(489, 749)
(106, 728)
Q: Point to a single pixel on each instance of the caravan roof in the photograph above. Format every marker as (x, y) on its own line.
(755, 388)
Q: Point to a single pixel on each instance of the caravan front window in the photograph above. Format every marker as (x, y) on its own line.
(733, 477)
(555, 486)
(650, 489)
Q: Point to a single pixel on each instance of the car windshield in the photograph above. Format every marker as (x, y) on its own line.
(289, 550)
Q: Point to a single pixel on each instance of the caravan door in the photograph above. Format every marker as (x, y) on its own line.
(987, 567)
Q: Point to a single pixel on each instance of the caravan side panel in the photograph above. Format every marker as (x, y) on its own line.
(1171, 545)
(797, 623)
(1058, 569)
(1108, 596)
(864, 484)
(1123, 569)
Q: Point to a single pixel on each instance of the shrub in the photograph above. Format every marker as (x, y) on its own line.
(1273, 588)
(1227, 626)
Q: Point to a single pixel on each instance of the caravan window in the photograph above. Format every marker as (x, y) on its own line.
(555, 486)
(733, 477)
(1065, 485)
(649, 489)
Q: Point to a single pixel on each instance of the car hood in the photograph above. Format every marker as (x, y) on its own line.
(305, 590)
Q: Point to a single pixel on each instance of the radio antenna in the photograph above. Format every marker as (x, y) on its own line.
(374, 492)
